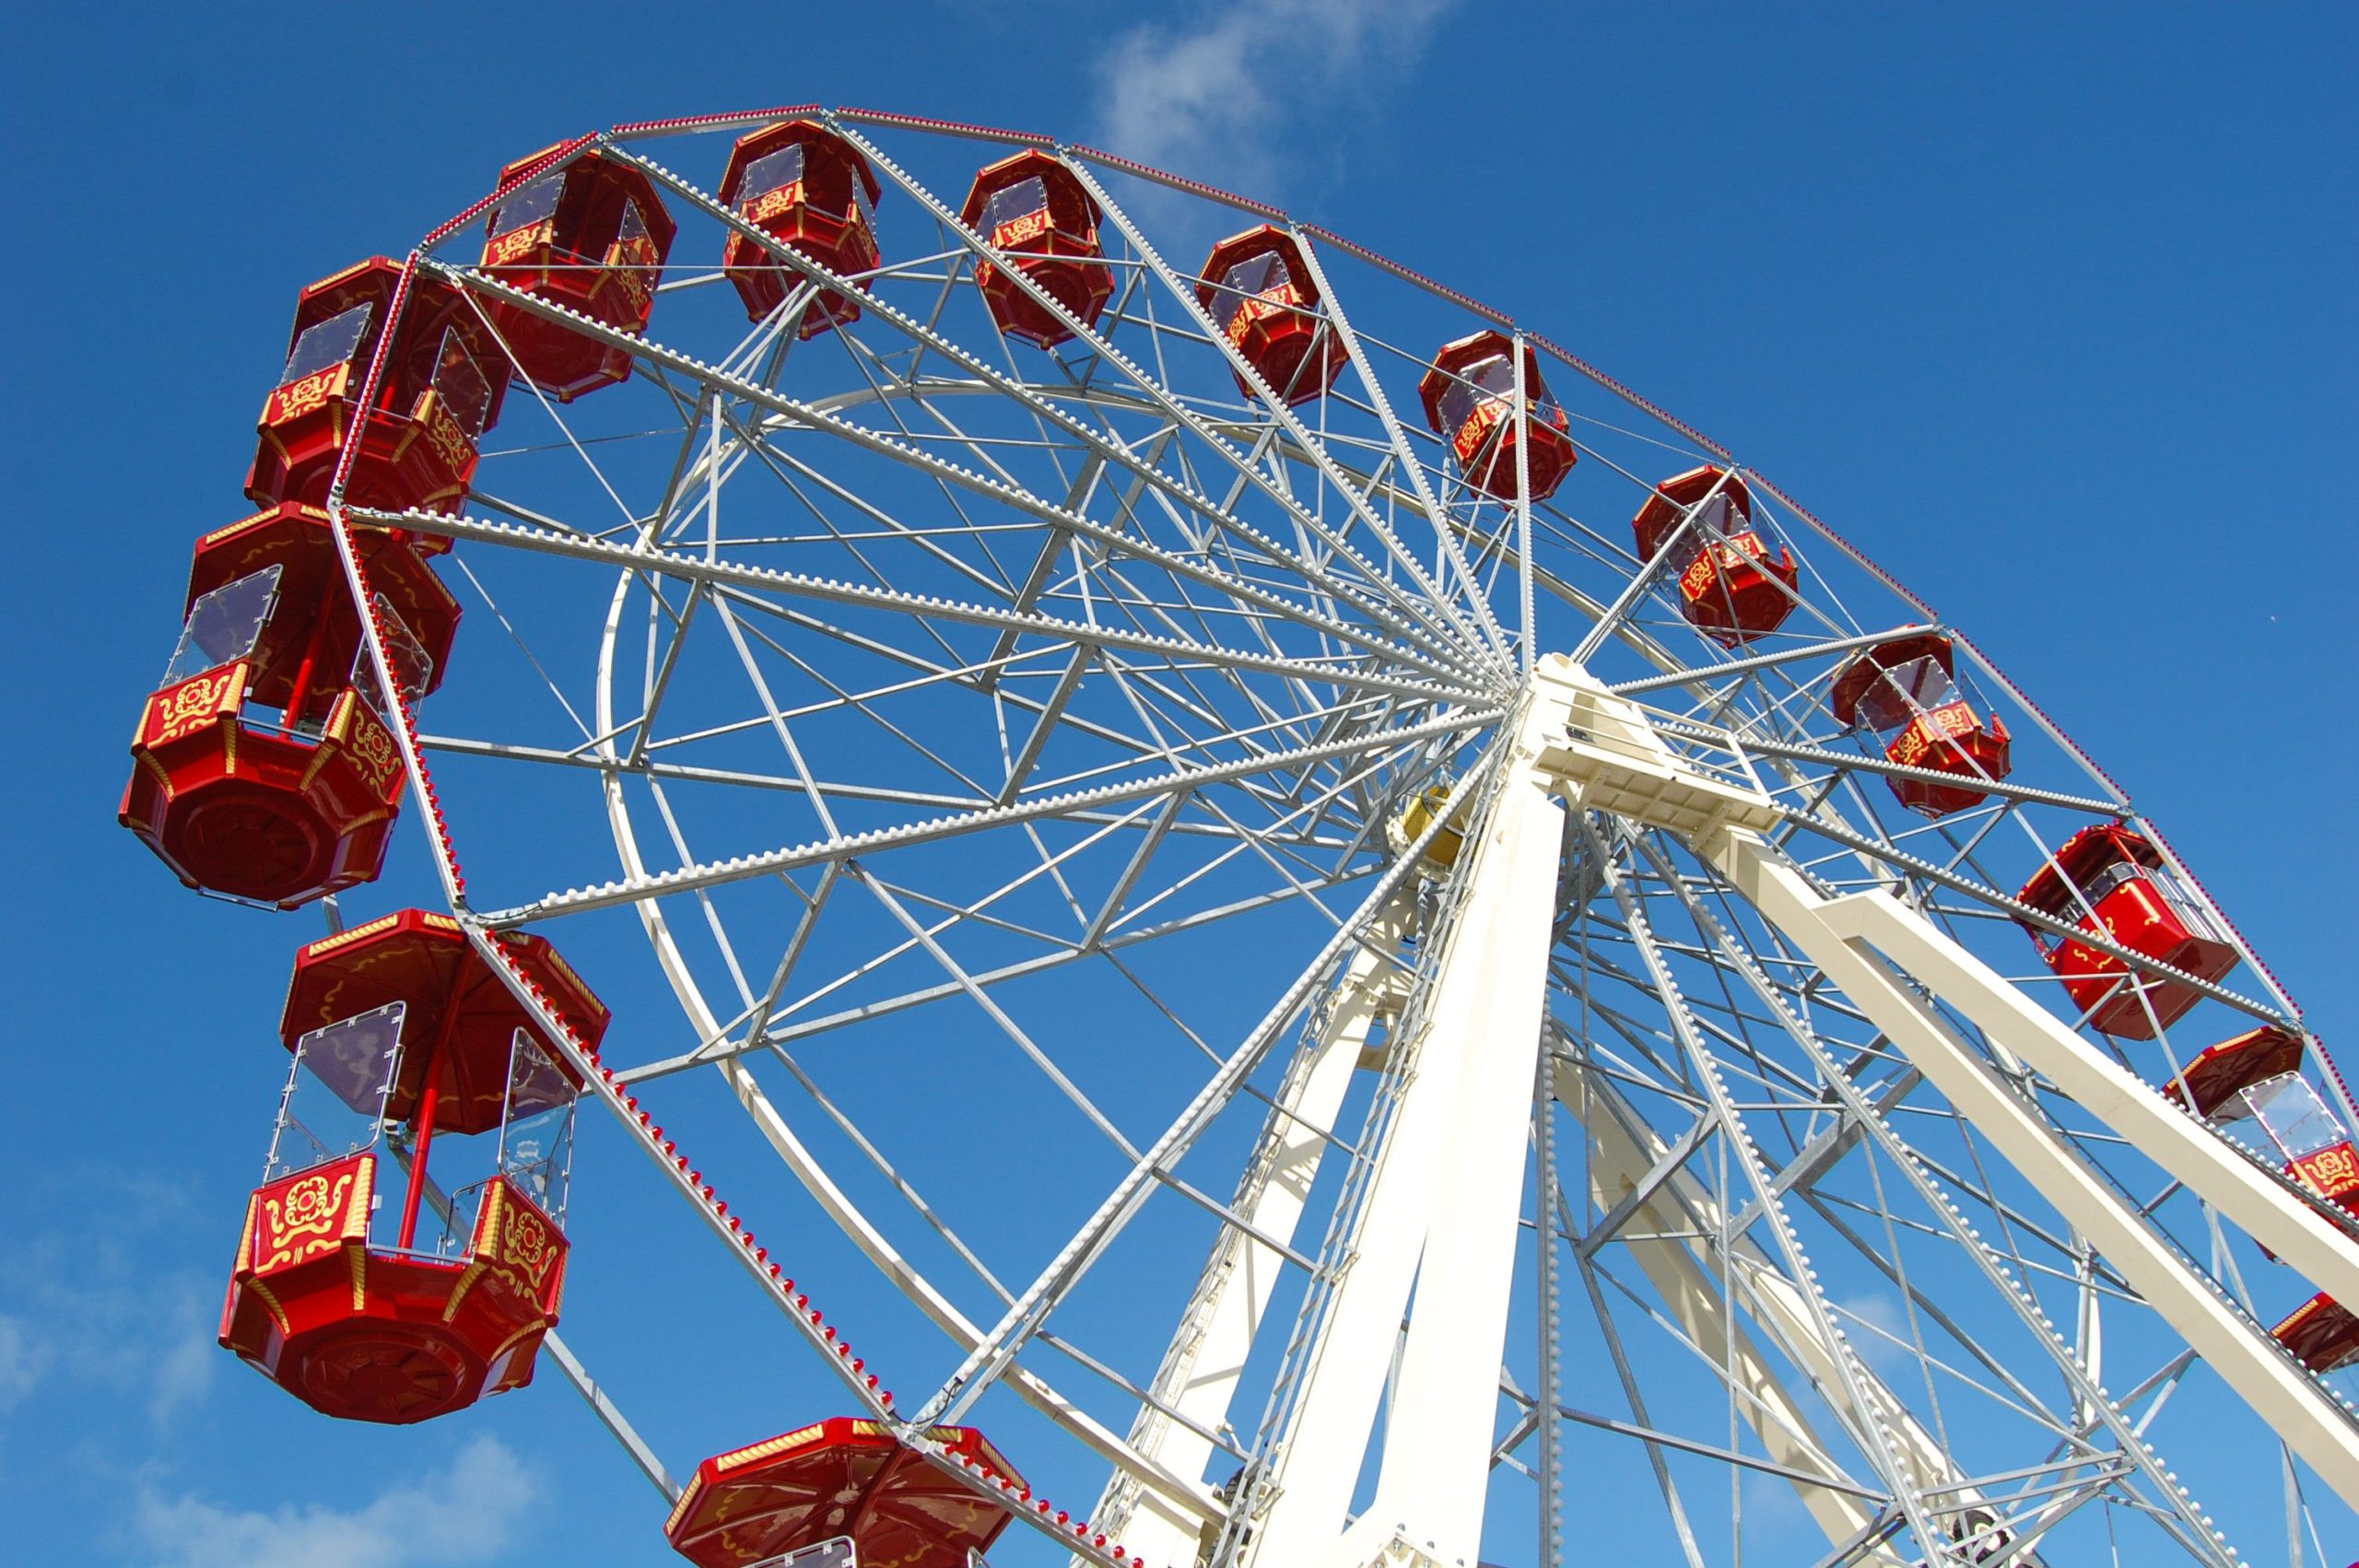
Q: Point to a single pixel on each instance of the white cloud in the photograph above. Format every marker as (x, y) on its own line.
(1880, 1332)
(469, 1513)
(21, 1358)
(1222, 98)
(95, 1315)
(182, 1371)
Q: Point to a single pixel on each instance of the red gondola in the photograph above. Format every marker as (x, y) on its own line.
(2291, 1121)
(1469, 396)
(590, 236)
(440, 390)
(1904, 691)
(1032, 209)
(1259, 292)
(839, 1477)
(426, 962)
(2214, 1077)
(364, 1316)
(2255, 1077)
(809, 189)
(283, 809)
(1730, 586)
(2321, 1334)
(2110, 879)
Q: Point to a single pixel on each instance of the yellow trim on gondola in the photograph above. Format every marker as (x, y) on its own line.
(270, 1304)
(336, 277)
(502, 1349)
(357, 934)
(781, 1443)
(147, 760)
(246, 1237)
(467, 1279)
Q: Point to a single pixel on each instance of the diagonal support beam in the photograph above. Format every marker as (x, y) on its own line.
(1207, 1357)
(2186, 1147)
(1455, 1147)
(1857, 945)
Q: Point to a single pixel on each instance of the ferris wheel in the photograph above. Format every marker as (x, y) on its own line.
(1388, 954)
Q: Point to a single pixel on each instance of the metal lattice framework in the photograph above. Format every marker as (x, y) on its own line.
(1440, 1029)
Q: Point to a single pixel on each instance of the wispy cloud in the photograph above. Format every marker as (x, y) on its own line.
(1221, 97)
(91, 1311)
(468, 1513)
(1881, 1334)
(21, 1359)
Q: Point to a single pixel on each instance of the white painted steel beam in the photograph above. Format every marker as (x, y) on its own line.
(1880, 953)
(1455, 1148)
(1443, 1421)
(1199, 1373)
(1858, 940)
(1668, 1233)
(2164, 1132)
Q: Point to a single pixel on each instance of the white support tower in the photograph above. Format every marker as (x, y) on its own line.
(1440, 1207)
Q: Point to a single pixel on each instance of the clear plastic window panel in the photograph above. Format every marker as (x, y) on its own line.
(536, 1132)
(460, 382)
(1494, 376)
(446, 1224)
(1535, 394)
(1255, 274)
(446, 1221)
(771, 171)
(1718, 516)
(1906, 690)
(224, 624)
(334, 1100)
(1923, 682)
(1258, 275)
(861, 203)
(326, 344)
(2188, 910)
(1458, 405)
(2111, 877)
(531, 203)
(2198, 921)
(1012, 202)
(2292, 1113)
(533, 1148)
(1714, 520)
(413, 666)
(633, 227)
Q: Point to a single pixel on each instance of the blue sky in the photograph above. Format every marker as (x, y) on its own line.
(2077, 283)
